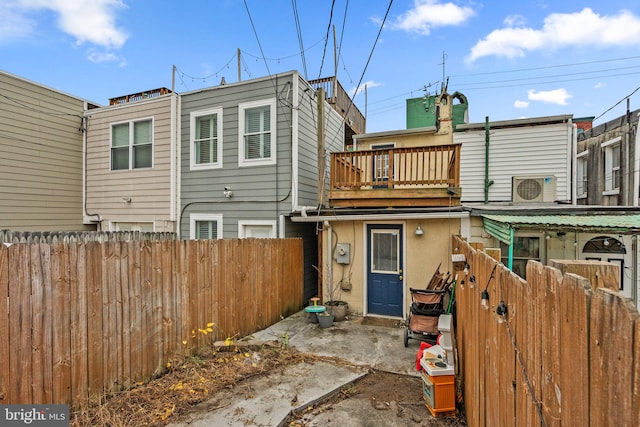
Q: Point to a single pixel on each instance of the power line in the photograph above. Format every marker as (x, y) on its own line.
(299, 31)
(326, 39)
(283, 57)
(547, 67)
(617, 103)
(257, 38)
(546, 82)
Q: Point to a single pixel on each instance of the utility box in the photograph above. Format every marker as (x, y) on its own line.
(343, 253)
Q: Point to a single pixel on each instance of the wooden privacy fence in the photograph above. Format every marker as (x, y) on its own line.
(79, 319)
(563, 355)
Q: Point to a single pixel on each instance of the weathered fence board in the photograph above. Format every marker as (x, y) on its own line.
(80, 319)
(563, 355)
(5, 347)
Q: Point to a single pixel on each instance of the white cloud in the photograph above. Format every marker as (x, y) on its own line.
(91, 21)
(599, 85)
(584, 28)
(97, 57)
(521, 104)
(557, 96)
(427, 14)
(514, 21)
(368, 84)
(13, 25)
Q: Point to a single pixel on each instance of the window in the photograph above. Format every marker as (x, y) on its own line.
(257, 130)
(581, 181)
(132, 145)
(612, 172)
(206, 139)
(257, 229)
(524, 249)
(205, 226)
(381, 162)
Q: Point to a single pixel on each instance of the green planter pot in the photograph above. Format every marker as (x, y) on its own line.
(325, 320)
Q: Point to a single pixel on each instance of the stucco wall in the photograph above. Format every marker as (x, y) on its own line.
(422, 254)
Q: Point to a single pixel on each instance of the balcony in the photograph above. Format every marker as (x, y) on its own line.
(396, 177)
(340, 100)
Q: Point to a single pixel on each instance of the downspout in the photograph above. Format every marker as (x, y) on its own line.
(327, 224)
(487, 182)
(636, 167)
(84, 127)
(510, 260)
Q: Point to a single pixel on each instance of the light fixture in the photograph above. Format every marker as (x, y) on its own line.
(502, 309)
(547, 236)
(227, 192)
(485, 300)
(606, 242)
(419, 231)
(126, 200)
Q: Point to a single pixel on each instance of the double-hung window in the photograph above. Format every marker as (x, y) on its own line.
(205, 226)
(206, 139)
(257, 130)
(582, 175)
(132, 145)
(612, 172)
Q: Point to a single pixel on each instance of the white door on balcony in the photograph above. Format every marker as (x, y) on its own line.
(381, 164)
(384, 270)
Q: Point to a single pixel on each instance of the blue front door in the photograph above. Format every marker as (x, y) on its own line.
(384, 266)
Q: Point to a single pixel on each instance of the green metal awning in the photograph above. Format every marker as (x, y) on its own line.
(501, 226)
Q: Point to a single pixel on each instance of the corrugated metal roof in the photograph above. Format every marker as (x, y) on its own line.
(624, 223)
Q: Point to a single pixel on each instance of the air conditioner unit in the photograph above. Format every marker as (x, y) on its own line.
(533, 189)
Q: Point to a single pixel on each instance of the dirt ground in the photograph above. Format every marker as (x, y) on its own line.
(398, 396)
(191, 381)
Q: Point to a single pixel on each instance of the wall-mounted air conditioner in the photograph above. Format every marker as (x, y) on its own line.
(533, 189)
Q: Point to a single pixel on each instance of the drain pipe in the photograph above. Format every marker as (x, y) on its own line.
(487, 182)
(327, 224)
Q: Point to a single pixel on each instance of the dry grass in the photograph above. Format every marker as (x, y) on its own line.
(187, 382)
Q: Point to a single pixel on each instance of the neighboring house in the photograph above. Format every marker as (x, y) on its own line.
(394, 202)
(41, 141)
(522, 187)
(517, 161)
(252, 153)
(608, 163)
(132, 163)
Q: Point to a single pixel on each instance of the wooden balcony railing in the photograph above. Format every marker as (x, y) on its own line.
(400, 176)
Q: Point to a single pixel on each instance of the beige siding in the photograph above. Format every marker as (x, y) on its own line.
(41, 162)
(149, 189)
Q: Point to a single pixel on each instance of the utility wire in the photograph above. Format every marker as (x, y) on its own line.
(369, 58)
(283, 57)
(210, 75)
(617, 103)
(326, 39)
(257, 38)
(300, 43)
(344, 22)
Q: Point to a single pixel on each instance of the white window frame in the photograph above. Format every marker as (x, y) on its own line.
(609, 170)
(194, 165)
(131, 142)
(242, 226)
(242, 162)
(582, 173)
(193, 218)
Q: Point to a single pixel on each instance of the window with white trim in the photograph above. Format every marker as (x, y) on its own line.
(205, 226)
(132, 145)
(205, 132)
(582, 174)
(612, 172)
(257, 229)
(257, 130)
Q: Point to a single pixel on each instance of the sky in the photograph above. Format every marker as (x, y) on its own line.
(511, 59)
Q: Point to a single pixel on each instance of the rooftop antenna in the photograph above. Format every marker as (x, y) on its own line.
(443, 63)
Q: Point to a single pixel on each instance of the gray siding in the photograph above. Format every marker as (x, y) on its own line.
(41, 163)
(308, 145)
(542, 150)
(259, 192)
(627, 130)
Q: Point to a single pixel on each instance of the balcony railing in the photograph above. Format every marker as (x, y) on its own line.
(396, 177)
